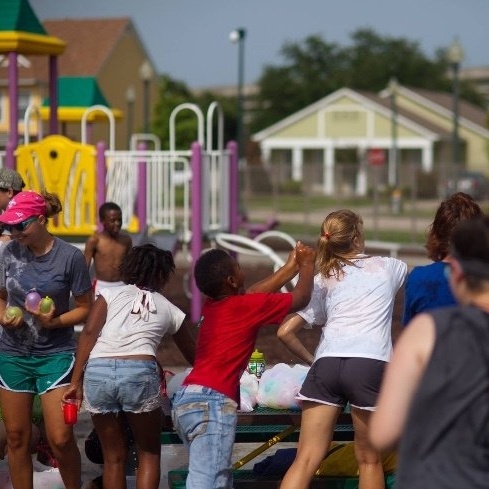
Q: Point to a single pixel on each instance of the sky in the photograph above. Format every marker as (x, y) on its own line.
(189, 39)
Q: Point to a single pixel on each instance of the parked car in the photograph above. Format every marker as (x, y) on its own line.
(476, 184)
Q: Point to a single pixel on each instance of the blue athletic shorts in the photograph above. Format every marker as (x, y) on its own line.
(35, 374)
(111, 385)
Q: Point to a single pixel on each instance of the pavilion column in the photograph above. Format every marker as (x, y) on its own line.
(328, 170)
(297, 164)
(427, 158)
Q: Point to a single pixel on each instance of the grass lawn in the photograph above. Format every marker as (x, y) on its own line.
(299, 209)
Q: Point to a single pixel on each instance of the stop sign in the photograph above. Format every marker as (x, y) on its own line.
(376, 156)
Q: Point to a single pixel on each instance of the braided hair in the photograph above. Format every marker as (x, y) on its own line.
(147, 267)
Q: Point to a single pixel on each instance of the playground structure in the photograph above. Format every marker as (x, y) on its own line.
(177, 199)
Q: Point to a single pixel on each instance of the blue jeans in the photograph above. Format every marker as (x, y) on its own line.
(206, 420)
(111, 385)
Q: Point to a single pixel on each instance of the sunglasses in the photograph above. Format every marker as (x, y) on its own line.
(21, 226)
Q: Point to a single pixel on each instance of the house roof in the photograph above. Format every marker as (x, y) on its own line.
(470, 115)
(444, 101)
(84, 54)
(21, 31)
(408, 115)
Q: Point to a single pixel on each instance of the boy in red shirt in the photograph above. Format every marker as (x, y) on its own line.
(205, 408)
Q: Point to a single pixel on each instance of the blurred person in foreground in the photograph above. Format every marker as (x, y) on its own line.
(426, 285)
(434, 399)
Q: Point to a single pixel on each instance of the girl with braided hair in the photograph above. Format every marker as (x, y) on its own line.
(116, 371)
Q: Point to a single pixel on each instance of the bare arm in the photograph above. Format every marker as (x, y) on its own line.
(403, 374)
(306, 259)
(277, 280)
(86, 342)
(90, 247)
(185, 341)
(287, 334)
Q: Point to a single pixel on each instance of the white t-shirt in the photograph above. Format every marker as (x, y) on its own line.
(136, 322)
(356, 310)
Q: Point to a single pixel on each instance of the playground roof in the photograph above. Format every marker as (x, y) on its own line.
(21, 31)
(75, 95)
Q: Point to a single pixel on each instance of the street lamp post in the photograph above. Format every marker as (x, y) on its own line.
(393, 88)
(130, 98)
(146, 73)
(455, 56)
(391, 92)
(238, 36)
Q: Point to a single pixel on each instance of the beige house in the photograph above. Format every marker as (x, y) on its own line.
(340, 139)
(108, 51)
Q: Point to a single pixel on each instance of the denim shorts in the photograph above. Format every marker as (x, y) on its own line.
(112, 385)
(206, 421)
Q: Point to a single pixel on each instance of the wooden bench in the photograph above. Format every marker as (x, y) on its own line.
(246, 479)
(262, 424)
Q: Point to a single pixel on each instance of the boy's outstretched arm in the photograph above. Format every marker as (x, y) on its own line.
(277, 280)
(301, 294)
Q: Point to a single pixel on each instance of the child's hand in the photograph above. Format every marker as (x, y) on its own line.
(12, 321)
(44, 318)
(305, 255)
(292, 262)
(74, 391)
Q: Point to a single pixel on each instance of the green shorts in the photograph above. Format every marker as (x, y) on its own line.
(36, 375)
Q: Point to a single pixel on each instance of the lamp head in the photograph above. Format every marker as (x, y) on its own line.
(145, 71)
(455, 53)
(237, 35)
(393, 85)
(130, 94)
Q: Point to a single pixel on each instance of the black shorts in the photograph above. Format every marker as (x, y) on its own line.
(337, 380)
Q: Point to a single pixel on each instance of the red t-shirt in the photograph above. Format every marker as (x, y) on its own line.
(227, 335)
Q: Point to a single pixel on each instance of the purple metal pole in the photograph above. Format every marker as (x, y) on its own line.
(101, 175)
(13, 137)
(142, 191)
(53, 94)
(232, 147)
(196, 226)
